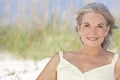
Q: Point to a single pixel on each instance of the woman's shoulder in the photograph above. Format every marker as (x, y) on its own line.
(110, 55)
(69, 54)
(56, 56)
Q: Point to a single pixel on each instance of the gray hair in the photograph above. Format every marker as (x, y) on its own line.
(101, 9)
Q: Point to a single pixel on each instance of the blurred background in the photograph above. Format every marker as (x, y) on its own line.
(35, 29)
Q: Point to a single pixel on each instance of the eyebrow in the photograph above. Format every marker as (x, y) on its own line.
(101, 24)
(86, 23)
(97, 24)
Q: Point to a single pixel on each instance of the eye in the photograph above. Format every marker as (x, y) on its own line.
(86, 25)
(100, 26)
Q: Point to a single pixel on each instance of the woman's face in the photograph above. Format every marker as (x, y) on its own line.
(93, 29)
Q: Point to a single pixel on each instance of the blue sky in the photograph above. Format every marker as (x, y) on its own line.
(64, 5)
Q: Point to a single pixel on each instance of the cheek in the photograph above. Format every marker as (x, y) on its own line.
(83, 34)
(102, 35)
(103, 32)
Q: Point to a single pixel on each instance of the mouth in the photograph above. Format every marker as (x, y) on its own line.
(92, 38)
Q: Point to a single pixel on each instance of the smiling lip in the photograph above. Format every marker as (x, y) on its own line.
(92, 38)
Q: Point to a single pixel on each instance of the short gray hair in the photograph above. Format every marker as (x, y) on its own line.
(101, 9)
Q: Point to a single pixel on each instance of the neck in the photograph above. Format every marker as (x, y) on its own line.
(92, 51)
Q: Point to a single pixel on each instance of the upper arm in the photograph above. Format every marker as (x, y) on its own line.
(117, 69)
(49, 72)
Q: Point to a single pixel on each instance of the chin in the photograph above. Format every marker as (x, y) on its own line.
(93, 45)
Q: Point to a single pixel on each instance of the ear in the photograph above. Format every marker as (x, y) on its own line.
(107, 30)
(78, 28)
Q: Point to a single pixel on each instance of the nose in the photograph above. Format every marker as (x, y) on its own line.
(93, 31)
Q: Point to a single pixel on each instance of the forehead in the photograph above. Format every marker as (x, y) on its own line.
(93, 17)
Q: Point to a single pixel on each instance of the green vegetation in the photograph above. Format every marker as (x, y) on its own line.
(38, 36)
(37, 44)
(116, 39)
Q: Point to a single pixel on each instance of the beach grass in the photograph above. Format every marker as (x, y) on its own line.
(37, 44)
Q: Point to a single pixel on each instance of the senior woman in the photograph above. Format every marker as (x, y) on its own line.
(95, 25)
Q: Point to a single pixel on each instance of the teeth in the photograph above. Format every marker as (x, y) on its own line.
(92, 38)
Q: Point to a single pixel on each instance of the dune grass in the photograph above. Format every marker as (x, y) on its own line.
(37, 44)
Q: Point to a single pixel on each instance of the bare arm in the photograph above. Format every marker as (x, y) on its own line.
(118, 78)
(49, 72)
(117, 69)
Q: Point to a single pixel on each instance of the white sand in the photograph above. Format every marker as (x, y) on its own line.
(20, 69)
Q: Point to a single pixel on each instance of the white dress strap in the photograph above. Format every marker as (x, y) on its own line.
(115, 58)
(61, 55)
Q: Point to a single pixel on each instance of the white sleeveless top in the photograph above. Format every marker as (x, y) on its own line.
(68, 71)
